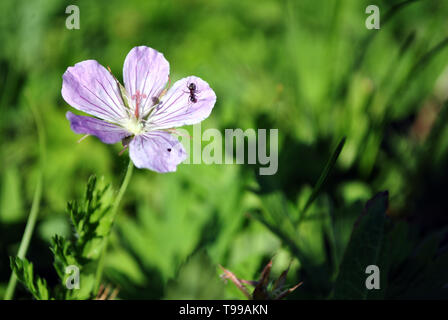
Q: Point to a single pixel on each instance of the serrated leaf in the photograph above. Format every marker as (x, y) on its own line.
(91, 218)
(24, 272)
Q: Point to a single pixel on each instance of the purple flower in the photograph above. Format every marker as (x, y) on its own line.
(141, 112)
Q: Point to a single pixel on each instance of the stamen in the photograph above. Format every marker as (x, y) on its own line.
(80, 140)
(156, 100)
(123, 150)
(164, 91)
(121, 90)
(174, 131)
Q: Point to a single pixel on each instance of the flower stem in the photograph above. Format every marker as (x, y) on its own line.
(24, 244)
(124, 185)
(32, 218)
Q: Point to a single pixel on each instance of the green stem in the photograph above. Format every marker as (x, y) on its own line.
(124, 185)
(32, 218)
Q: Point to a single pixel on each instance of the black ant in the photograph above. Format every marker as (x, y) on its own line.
(193, 92)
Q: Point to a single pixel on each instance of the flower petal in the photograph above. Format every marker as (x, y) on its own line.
(157, 150)
(89, 87)
(106, 132)
(177, 108)
(145, 74)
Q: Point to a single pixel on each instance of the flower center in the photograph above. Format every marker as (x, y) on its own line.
(134, 126)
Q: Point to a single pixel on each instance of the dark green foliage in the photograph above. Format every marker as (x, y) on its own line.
(91, 219)
(364, 249)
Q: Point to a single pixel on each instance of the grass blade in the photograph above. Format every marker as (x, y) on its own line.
(323, 177)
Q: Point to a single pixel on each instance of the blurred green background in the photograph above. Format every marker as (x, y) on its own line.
(309, 68)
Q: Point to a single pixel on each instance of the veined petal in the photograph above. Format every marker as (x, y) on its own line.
(177, 108)
(89, 87)
(157, 150)
(106, 132)
(145, 75)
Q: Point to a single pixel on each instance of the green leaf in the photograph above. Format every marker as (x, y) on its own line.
(92, 218)
(92, 221)
(363, 249)
(323, 177)
(63, 252)
(24, 271)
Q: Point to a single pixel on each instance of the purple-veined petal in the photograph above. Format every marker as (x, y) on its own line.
(105, 131)
(177, 108)
(157, 150)
(145, 75)
(89, 87)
